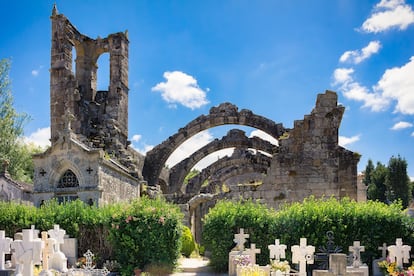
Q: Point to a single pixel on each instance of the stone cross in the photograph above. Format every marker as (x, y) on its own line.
(89, 260)
(356, 250)
(383, 249)
(57, 234)
(27, 253)
(337, 267)
(302, 254)
(240, 239)
(399, 252)
(5, 244)
(47, 251)
(252, 251)
(277, 250)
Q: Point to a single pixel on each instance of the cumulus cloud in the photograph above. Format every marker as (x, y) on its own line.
(398, 84)
(401, 125)
(351, 89)
(41, 137)
(344, 141)
(136, 137)
(182, 89)
(356, 56)
(389, 14)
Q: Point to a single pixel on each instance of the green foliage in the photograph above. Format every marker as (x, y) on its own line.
(12, 148)
(372, 223)
(187, 242)
(146, 233)
(15, 217)
(397, 181)
(190, 175)
(225, 219)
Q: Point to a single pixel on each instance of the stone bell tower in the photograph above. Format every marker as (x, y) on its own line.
(99, 118)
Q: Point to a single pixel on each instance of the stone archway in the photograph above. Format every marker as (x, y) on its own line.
(234, 138)
(224, 114)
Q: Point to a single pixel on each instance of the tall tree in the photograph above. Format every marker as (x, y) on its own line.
(12, 148)
(368, 171)
(397, 181)
(376, 186)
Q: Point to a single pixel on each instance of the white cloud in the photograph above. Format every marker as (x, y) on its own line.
(261, 134)
(136, 137)
(35, 73)
(356, 56)
(181, 88)
(344, 141)
(398, 84)
(351, 89)
(401, 125)
(389, 14)
(41, 137)
(189, 147)
(412, 134)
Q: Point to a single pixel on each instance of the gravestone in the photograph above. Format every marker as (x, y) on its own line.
(399, 253)
(376, 271)
(27, 252)
(302, 254)
(337, 267)
(357, 265)
(89, 267)
(252, 251)
(46, 252)
(322, 256)
(5, 246)
(70, 249)
(58, 260)
(239, 250)
(277, 250)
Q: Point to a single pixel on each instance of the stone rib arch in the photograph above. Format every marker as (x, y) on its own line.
(237, 164)
(235, 138)
(224, 114)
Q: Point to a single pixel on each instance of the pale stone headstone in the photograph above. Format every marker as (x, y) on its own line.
(252, 251)
(337, 267)
(58, 260)
(277, 250)
(376, 271)
(302, 254)
(399, 252)
(47, 251)
(70, 248)
(5, 247)
(356, 250)
(28, 252)
(240, 239)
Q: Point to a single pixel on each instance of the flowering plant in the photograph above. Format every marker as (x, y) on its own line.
(391, 268)
(280, 265)
(242, 260)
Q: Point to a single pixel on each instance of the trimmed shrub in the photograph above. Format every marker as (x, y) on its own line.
(146, 234)
(187, 242)
(372, 223)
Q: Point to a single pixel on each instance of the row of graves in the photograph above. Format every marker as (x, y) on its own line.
(242, 261)
(49, 251)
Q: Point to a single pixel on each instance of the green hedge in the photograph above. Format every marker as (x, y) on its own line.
(372, 223)
(151, 236)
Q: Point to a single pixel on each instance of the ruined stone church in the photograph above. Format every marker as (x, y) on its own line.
(90, 158)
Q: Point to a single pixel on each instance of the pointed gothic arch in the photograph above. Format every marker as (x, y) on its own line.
(68, 180)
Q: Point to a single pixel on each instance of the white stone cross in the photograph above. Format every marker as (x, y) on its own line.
(27, 253)
(47, 251)
(240, 239)
(356, 250)
(89, 260)
(302, 254)
(399, 252)
(5, 244)
(383, 249)
(57, 234)
(277, 250)
(252, 251)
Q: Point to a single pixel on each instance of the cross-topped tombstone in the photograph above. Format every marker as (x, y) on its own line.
(89, 260)
(27, 253)
(252, 251)
(383, 249)
(5, 246)
(47, 251)
(277, 250)
(240, 239)
(58, 260)
(322, 256)
(399, 252)
(337, 267)
(356, 250)
(302, 254)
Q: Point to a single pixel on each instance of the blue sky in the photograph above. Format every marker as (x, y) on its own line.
(272, 57)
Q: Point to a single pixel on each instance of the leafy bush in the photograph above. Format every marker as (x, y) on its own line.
(187, 242)
(146, 233)
(372, 223)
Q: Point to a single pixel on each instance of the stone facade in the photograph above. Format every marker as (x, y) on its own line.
(11, 190)
(90, 157)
